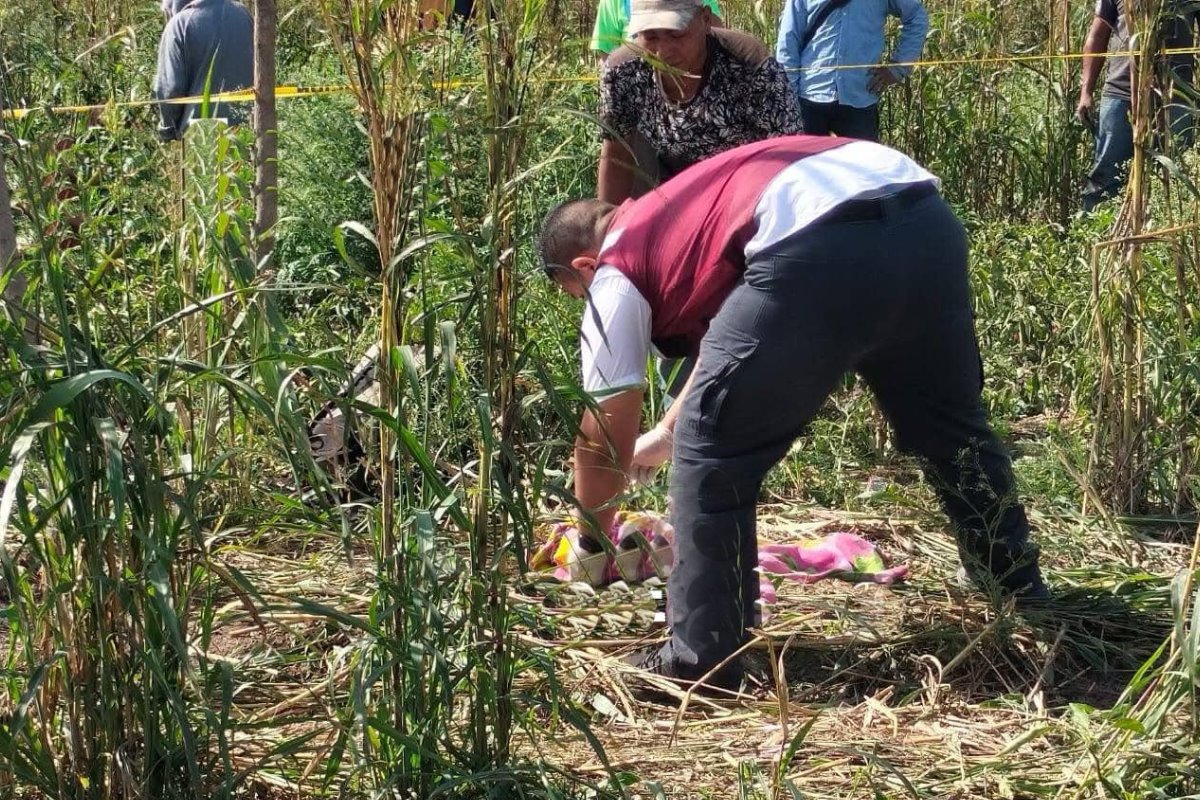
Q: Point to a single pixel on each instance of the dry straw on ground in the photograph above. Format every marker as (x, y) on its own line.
(918, 690)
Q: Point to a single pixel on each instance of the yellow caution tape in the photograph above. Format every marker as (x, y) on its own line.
(239, 96)
(290, 92)
(1007, 58)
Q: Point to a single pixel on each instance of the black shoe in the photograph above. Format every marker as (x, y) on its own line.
(722, 683)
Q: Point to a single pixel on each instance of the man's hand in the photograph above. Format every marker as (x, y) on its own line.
(1095, 50)
(652, 450)
(879, 79)
(1085, 112)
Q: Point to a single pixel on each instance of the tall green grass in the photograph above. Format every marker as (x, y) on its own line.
(104, 552)
(133, 428)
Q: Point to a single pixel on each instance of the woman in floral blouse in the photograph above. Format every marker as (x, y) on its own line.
(682, 92)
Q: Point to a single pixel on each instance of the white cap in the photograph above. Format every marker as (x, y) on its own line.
(669, 15)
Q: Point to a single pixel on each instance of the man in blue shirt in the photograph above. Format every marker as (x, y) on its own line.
(206, 43)
(818, 36)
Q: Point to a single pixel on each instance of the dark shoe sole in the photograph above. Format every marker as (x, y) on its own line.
(725, 683)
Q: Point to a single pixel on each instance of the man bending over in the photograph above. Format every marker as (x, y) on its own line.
(782, 264)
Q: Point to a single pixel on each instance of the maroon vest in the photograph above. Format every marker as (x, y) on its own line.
(682, 244)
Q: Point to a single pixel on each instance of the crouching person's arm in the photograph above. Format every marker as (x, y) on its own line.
(617, 173)
(603, 452)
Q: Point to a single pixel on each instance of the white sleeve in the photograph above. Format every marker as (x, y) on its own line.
(614, 335)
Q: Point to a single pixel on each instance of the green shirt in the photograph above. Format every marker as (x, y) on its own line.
(612, 16)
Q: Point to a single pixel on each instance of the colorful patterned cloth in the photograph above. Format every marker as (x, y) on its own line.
(643, 547)
(835, 555)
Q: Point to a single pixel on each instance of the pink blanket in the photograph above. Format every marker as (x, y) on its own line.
(643, 547)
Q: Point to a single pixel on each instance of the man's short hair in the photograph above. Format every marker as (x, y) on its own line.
(567, 231)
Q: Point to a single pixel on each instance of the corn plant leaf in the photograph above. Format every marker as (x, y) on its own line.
(580, 723)
(17, 458)
(114, 464)
(361, 230)
(1176, 172)
(339, 244)
(64, 392)
(785, 761)
(449, 339)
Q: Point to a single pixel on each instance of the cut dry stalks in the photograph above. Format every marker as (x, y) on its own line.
(1144, 420)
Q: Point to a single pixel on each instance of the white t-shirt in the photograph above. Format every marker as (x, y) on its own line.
(614, 335)
(809, 188)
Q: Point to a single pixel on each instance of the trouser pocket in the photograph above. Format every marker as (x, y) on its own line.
(727, 357)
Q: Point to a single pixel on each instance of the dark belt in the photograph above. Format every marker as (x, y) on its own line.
(878, 207)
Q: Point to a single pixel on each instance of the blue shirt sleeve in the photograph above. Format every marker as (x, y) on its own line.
(792, 25)
(171, 79)
(914, 26)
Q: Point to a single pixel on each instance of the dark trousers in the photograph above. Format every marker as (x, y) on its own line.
(823, 119)
(885, 295)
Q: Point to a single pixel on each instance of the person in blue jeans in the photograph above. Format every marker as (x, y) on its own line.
(1111, 121)
(816, 37)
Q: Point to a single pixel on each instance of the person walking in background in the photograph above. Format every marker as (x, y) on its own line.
(1111, 122)
(818, 37)
(206, 44)
(612, 18)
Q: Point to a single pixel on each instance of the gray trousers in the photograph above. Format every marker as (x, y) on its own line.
(880, 288)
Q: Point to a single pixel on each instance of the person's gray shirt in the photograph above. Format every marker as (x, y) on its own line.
(1176, 29)
(203, 34)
